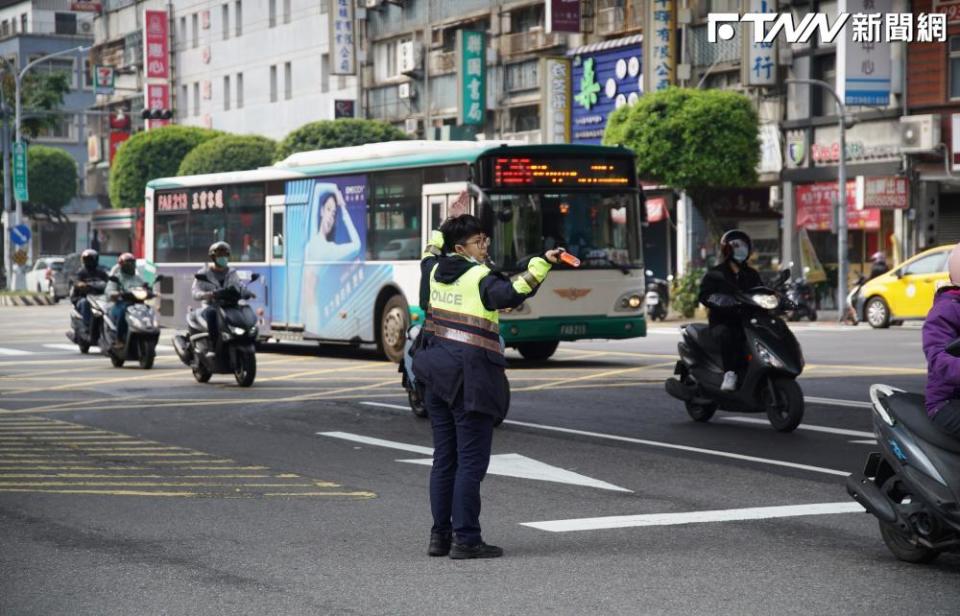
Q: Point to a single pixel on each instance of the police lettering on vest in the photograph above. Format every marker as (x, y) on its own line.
(440, 297)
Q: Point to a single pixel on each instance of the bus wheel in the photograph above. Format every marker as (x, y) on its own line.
(538, 351)
(394, 321)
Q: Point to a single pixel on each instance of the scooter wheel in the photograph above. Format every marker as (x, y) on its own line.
(701, 412)
(417, 405)
(84, 348)
(246, 369)
(903, 547)
(116, 361)
(785, 412)
(813, 315)
(201, 374)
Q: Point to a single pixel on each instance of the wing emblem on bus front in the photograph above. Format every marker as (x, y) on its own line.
(572, 294)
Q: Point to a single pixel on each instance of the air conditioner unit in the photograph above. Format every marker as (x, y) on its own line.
(411, 126)
(408, 57)
(86, 26)
(406, 90)
(919, 133)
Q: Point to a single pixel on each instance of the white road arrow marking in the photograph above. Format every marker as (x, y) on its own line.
(6, 351)
(507, 464)
(695, 517)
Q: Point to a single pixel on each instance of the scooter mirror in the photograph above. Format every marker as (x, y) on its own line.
(954, 348)
(254, 277)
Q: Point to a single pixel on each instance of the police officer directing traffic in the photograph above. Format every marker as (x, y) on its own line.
(463, 365)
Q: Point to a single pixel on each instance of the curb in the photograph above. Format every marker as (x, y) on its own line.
(30, 299)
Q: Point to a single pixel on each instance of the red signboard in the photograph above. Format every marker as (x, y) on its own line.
(156, 48)
(563, 15)
(91, 6)
(116, 138)
(815, 208)
(950, 7)
(656, 209)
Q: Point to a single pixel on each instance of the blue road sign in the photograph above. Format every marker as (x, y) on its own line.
(20, 235)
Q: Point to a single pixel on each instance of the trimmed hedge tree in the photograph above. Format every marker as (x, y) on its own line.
(149, 155)
(51, 181)
(337, 134)
(229, 153)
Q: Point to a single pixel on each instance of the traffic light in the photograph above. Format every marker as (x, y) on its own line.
(157, 114)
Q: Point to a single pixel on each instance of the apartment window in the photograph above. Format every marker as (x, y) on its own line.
(286, 11)
(59, 65)
(23, 23)
(823, 102)
(225, 20)
(65, 23)
(195, 21)
(527, 18)
(524, 119)
(238, 16)
(239, 90)
(182, 43)
(955, 67)
(523, 76)
(386, 55)
(61, 130)
(325, 73)
(273, 13)
(273, 83)
(196, 98)
(4, 28)
(226, 92)
(184, 101)
(288, 80)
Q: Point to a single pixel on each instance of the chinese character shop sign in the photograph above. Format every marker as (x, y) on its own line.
(760, 67)
(556, 99)
(864, 67)
(156, 45)
(660, 45)
(342, 38)
(472, 77)
(562, 15)
(603, 81)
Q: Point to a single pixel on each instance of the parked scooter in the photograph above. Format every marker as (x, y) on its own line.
(235, 350)
(801, 294)
(774, 361)
(658, 296)
(80, 334)
(912, 485)
(143, 329)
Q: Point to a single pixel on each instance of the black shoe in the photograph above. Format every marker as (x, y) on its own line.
(439, 544)
(481, 550)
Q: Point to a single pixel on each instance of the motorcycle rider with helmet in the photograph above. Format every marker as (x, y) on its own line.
(127, 279)
(89, 279)
(725, 327)
(879, 267)
(217, 277)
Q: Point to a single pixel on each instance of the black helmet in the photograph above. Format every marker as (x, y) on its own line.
(218, 249)
(729, 242)
(90, 259)
(128, 264)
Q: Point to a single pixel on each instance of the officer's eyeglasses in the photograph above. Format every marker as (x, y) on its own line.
(481, 241)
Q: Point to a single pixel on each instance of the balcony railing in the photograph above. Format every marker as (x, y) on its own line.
(528, 42)
(442, 62)
(619, 16)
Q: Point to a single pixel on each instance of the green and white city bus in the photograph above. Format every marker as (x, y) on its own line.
(337, 235)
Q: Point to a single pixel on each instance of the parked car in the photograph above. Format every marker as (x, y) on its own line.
(44, 277)
(906, 292)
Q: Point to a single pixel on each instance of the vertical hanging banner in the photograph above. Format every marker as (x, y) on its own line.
(472, 78)
(20, 191)
(864, 67)
(955, 140)
(342, 38)
(562, 16)
(759, 66)
(660, 45)
(156, 63)
(555, 103)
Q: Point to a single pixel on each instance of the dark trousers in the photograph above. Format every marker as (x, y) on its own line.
(83, 307)
(210, 316)
(119, 316)
(461, 454)
(731, 339)
(948, 418)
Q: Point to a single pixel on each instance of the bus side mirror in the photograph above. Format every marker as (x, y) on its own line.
(254, 277)
(200, 277)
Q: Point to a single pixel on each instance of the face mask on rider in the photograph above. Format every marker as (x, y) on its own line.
(221, 262)
(741, 252)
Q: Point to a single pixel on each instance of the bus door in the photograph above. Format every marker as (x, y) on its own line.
(295, 222)
(276, 258)
(441, 201)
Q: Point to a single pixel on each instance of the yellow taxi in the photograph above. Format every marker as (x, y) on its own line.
(905, 292)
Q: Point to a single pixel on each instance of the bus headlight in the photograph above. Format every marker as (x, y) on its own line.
(629, 302)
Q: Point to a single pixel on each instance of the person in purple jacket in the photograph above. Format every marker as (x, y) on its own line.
(942, 327)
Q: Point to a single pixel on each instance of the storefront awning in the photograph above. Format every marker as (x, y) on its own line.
(636, 39)
(103, 220)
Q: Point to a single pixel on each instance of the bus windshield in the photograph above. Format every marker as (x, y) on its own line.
(598, 228)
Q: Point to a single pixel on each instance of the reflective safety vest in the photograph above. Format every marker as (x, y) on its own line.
(457, 312)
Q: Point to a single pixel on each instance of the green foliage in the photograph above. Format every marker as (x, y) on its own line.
(228, 153)
(686, 290)
(337, 134)
(51, 180)
(150, 155)
(42, 92)
(690, 139)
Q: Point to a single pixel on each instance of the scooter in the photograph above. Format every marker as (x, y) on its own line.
(800, 292)
(658, 297)
(912, 485)
(80, 334)
(774, 361)
(235, 351)
(143, 329)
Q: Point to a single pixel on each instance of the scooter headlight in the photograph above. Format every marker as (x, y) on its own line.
(238, 331)
(253, 331)
(767, 357)
(766, 301)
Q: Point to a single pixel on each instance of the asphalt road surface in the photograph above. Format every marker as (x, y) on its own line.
(125, 491)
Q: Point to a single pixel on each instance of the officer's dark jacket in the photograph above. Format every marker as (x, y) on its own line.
(449, 367)
(89, 277)
(747, 278)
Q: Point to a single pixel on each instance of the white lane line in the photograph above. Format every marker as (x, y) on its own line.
(856, 404)
(694, 517)
(379, 442)
(69, 347)
(808, 427)
(6, 351)
(869, 441)
(709, 452)
(386, 406)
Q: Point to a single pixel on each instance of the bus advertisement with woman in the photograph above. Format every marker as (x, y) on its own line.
(336, 236)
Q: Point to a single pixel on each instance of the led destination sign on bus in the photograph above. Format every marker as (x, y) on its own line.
(526, 171)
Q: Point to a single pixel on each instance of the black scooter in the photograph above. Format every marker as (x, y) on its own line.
(143, 329)
(80, 334)
(774, 361)
(912, 485)
(657, 297)
(235, 351)
(801, 294)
